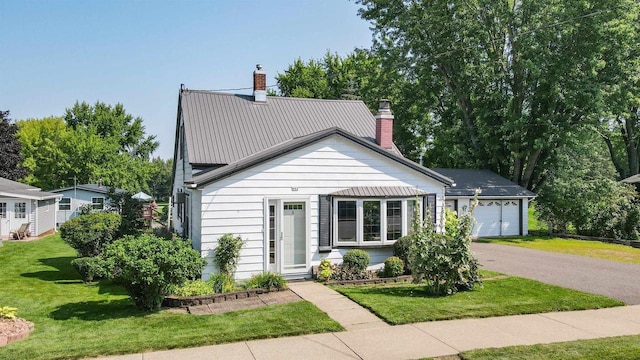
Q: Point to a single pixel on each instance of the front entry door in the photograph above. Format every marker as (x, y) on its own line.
(5, 218)
(286, 240)
(294, 237)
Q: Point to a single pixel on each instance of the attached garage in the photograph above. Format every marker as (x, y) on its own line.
(502, 208)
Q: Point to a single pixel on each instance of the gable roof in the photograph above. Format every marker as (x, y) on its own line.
(222, 128)
(101, 189)
(288, 146)
(15, 189)
(489, 183)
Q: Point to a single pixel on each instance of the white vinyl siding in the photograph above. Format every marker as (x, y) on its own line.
(46, 216)
(237, 204)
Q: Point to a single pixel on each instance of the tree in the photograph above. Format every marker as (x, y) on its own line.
(91, 144)
(10, 147)
(506, 83)
(159, 182)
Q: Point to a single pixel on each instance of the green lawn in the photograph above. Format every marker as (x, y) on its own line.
(595, 249)
(500, 295)
(622, 348)
(73, 320)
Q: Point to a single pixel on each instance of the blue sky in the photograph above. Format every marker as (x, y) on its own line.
(54, 53)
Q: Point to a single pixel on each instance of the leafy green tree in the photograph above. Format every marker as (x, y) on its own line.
(90, 144)
(160, 178)
(10, 147)
(506, 83)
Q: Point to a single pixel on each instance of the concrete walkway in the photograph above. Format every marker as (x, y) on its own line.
(369, 338)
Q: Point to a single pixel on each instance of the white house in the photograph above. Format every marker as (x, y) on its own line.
(23, 204)
(73, 198)
(298, 179)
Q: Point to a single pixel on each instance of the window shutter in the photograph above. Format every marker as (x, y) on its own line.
(429, 202)
(324, 223)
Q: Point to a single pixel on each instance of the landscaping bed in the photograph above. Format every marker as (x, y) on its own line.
(12, 330)
(186, 301)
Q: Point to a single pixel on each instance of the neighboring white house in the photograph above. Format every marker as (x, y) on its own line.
(297, 179)
(75, 197)
(22, 204)
(503, 205)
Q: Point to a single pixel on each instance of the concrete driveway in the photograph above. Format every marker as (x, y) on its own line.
(614, 279)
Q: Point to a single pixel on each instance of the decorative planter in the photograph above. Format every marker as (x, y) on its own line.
(186, 301)
(14, 330)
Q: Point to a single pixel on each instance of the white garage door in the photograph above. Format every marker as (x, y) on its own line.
(497, 218)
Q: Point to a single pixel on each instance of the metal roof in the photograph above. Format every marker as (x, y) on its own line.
(489, 183)
(379, 191)
(223, 128)
(288, 146)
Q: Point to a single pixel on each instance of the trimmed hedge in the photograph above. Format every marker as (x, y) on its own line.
(89, 234)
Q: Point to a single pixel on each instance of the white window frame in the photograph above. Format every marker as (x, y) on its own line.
(406, 227)
(20, 210)
(94, 203)
(60, 204)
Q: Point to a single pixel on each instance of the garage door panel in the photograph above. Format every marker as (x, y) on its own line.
(510, 218)
(487, 215)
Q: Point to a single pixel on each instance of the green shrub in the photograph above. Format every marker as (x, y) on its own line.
(227, 253)
(88, 267)
(193, 288)
(325, 270)
(445, 261)
(266, 280)
(401, 250)
(393, 266)
(89, 234)
(8, 312)
(222, 283)
(148, 267)
(356, 259)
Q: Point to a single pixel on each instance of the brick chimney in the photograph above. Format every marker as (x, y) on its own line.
(259, 85)
(384, 124)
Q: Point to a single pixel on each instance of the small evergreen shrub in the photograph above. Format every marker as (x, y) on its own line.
(150, 267)
(193, 288)
(266, 280)
(393, 266)
(325, 270)
(356, 259)
(89, 234)
(227, 253)
(401, 250)
(8, 312)
(89, 268)
(222, 283)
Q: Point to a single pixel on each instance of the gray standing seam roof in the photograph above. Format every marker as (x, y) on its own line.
(223, 128)
(490, 184)
(379, 191)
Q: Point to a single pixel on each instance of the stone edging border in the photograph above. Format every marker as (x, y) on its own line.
(175, 301)
(396, 279)
(4, 340)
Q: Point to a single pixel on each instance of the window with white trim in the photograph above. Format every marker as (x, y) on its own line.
(64, 204)
(97, 203)
(20, 210)
(372, 221)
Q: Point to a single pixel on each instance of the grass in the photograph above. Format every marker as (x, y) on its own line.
(500, 295)
(594, 249)
(73, 320)
(621, 347)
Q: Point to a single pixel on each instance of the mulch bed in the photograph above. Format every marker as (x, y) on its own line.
(260, 300)
(13, 330)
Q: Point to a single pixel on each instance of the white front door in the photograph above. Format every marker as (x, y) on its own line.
(5, 217)
(294, 237)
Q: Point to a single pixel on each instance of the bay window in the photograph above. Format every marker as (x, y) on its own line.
(372, 221)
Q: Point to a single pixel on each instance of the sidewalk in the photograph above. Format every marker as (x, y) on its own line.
(367, 337)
